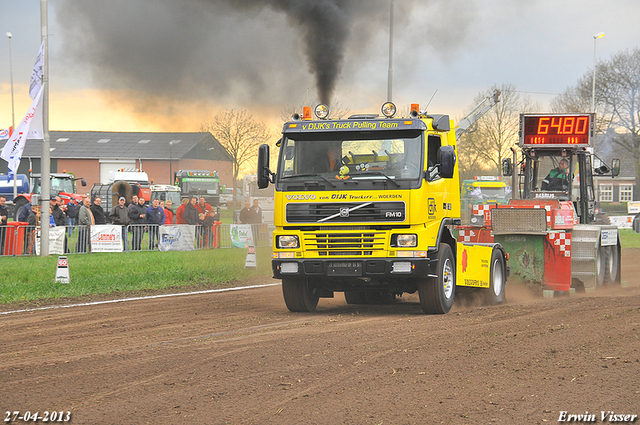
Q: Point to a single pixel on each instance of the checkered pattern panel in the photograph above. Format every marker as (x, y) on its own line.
(562, 241)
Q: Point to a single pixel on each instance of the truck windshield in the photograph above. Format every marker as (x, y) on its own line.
(487, 193)
(551, 173)
(200, 186)
(57, 185)
(349, 157)
(174, 197)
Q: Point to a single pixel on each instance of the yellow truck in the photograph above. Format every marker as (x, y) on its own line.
(368, 206)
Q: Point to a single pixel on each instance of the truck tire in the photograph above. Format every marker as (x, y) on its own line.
(298, 296)
(601, 265)
(437, 293)
(355, 297)
(612, 264)
(497, 279)
(17, 206)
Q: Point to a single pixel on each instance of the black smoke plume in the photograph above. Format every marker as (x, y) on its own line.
(167, 53)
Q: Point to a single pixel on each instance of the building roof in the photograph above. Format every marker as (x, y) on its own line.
(122, 145)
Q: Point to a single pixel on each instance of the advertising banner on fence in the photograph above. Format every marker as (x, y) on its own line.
(179, 237)
(56, 241)
(106, 238)
(241, 234)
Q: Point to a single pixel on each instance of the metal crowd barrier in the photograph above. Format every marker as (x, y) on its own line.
(19, 239)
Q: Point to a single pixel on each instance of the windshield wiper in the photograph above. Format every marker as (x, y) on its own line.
(377, 173)
(309, 175)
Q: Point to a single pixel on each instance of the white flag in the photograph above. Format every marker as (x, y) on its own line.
(37, 76)
(12, 151)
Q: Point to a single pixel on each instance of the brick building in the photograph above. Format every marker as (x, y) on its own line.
(92, 154)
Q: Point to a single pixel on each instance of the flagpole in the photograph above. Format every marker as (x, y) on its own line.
(13, 119)
(45, 165)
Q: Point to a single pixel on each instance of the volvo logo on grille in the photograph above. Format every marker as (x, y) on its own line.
(344, 211)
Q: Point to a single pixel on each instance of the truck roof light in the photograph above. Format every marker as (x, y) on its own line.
(295, 117)
(306, 112)
(388, 109)
(322, 111)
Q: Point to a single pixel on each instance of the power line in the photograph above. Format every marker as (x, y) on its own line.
(537, 92)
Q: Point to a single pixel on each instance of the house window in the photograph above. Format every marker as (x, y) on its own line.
(626, 192)
(606, 193)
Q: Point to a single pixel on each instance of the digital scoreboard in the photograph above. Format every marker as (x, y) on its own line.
(555, 130)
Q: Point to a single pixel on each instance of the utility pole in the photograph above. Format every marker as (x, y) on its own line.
(45, 165)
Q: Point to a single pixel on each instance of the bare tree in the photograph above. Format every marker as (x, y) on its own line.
(496, 132)
(617, 99)
(240, 135)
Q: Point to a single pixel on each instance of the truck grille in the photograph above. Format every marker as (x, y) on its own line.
(345, 212)
(344, 244)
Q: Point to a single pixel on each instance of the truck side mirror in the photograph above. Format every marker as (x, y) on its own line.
(83, 182)
(615, 167)
(263, 167)
(507, 167)
(447, 161)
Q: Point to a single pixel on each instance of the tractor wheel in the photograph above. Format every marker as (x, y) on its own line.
(298, 296)
(355, 297)
(497, 279)
(437, 293)
(612, 264)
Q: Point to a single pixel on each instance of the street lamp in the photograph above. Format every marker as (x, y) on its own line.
(170, 163)
(593, 84)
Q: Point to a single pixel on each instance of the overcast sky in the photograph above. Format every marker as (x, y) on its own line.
(168, 65)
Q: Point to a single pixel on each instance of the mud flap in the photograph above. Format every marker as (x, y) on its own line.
(474, 264)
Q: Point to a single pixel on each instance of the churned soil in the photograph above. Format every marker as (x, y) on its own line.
(240, 357)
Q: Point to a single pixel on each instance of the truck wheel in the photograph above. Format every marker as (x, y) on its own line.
(437, 293)
(17, 206)
(611, 269)
(497, 279)
(298, 296)
(601, 265)
(355, 297)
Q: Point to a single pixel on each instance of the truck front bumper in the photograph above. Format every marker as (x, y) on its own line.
(387, 269)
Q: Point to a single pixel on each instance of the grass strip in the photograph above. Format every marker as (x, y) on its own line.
(26, 279)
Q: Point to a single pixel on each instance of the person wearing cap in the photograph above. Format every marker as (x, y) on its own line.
(120, 215)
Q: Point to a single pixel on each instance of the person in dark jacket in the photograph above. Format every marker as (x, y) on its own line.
(57, 213)
(138, 216)
(119, 215)
(4, 215)
(24, 212)
(97, 211)
(72, 215)
(155, 218)
(191, 212)
(59, 217)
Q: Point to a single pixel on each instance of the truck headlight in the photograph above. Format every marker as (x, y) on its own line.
(287, 242)
(404, 241)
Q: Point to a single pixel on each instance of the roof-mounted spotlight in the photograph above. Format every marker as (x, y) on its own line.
(388, 109)
(322, 111)
(295, 116)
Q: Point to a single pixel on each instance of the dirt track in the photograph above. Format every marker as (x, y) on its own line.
(241, 358)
